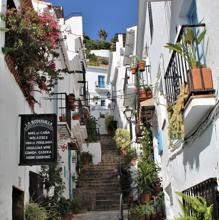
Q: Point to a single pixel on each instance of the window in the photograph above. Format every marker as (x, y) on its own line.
(101, 81)
(103, 102)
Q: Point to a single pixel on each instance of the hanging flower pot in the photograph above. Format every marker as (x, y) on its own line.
(71, 98)
(76, 116)
(62, 118)
(134, 70)
(141, 65)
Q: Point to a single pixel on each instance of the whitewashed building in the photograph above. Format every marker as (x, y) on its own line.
(189, 165)
(99, 91)
(17, 181)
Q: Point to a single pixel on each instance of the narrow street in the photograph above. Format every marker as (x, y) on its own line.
(109, 111)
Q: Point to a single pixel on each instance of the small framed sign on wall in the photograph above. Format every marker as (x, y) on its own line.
(38, 139)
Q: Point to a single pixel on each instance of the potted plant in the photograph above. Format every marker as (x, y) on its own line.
(62, 118)
(86, 158)
(110, 124)
(145, 93)
(134, 64)
(76, 116)
(141, 65)
(199, 76)
(122, 139)
(34, 212)
(194, 207)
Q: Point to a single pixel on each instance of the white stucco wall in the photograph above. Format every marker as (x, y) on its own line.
(95, 105)
(95, 150)
(198, 160)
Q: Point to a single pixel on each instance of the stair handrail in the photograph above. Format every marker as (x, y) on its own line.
(121, 207)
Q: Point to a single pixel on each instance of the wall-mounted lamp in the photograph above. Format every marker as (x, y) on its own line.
(128, 112)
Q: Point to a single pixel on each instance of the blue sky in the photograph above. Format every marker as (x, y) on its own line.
(112, 15)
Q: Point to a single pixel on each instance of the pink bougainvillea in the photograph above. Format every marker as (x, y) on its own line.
(32, 40)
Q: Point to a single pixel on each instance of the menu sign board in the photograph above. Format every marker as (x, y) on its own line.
(38, 142)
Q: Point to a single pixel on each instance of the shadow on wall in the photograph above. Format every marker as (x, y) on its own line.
(191, 152)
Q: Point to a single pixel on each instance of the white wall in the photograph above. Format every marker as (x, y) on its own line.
(95, 105)
(95, 150)
(198, 160)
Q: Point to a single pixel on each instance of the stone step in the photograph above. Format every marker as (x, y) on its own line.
(107, 204)
(108, 196)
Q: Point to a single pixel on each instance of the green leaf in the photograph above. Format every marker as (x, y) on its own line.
(175, 47)
(4, 29)
(201, 36)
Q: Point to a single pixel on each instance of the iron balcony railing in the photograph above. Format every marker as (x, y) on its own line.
(178, 70)
(129, 79)
(208, 190)
(64, 112)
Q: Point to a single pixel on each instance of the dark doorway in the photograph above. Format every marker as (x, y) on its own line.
(17, 204)
(36, 187)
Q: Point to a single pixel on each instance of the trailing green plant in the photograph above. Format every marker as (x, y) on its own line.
(91, 127)
(122, 138)
(35, 60)
(176, 125)
(189, 46)
(34, 211)
(76, 205)
(147, 168)
(195, 208)
(51, 175)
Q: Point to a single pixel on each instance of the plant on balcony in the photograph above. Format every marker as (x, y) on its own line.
(31, 43)
(144, 92)
(134, 64)
(199, 77)
(176, 126)
(194, 208)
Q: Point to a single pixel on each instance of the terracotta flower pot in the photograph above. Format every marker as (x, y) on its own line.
(134, 70)
(68, 216)
(200, 79)
(76, 117)
(141, 65)
(146, 197)
(62, 118)
(144, 94)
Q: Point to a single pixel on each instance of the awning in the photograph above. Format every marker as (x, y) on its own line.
(148, 103)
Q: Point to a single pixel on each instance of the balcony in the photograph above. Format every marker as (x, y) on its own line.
(198, 82)
(100, 87)
(64, 115)
(129, 88)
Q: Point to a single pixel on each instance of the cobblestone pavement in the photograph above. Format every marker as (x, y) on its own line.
(98, 215)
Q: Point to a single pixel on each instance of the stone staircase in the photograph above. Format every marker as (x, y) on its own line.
(98, 186)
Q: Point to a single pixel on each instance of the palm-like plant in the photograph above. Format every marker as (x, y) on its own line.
(188, 46)
(102, 34)
(195, 208)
